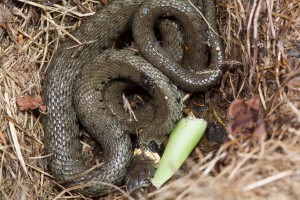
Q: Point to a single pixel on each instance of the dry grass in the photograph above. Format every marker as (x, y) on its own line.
(262, 45)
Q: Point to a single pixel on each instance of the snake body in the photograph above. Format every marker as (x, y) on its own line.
(88, 86)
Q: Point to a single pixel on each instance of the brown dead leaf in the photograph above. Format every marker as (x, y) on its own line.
(246, 119)
(27, 102)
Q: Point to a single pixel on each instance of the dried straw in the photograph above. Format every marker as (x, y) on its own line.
(262, 47)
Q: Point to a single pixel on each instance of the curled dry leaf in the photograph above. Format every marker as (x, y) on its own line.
(27, 102)
(246, 119)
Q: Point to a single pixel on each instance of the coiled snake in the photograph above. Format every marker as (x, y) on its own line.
(88, 87)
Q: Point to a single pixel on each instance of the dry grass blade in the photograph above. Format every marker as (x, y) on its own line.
(270, 179)
(57, 8)
(63, 30)
(14, 137)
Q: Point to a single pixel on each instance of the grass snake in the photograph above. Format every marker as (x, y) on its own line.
(88, 87)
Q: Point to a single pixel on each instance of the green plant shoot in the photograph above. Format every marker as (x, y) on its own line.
(183, 139)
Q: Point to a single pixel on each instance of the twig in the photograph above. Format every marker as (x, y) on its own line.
(249, 27)
(58, 8)
(63, 30)
(270, 8)
(14, 137)
(45, 50)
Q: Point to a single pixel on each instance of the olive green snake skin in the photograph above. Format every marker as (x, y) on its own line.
(88, 86)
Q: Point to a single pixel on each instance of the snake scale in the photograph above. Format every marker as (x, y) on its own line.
(88, 86)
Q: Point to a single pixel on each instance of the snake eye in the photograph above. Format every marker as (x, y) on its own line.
(154, 147)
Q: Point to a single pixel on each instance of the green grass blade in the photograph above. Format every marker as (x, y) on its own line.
(182, 141)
